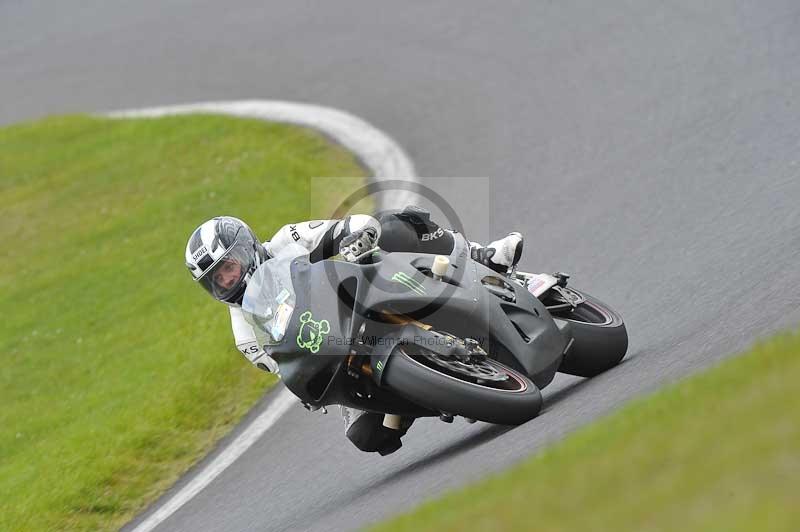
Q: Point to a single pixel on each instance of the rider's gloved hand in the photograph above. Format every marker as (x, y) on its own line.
(358, 243)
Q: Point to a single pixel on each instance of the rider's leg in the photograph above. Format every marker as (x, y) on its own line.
(413, 230)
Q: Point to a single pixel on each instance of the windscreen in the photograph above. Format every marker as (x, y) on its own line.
(269, 300)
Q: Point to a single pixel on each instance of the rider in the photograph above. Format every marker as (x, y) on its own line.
(223, 253)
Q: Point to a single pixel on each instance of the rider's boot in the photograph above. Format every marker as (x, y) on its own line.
(499, 255)
(366, 431)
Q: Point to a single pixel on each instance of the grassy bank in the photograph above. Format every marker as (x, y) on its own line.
(720, 451)
(119, 373)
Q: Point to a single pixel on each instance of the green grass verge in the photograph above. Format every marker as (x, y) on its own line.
(118, 372)
(720, 451)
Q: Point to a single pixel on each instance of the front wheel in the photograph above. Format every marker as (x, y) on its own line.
(485, 389)
(600, 339)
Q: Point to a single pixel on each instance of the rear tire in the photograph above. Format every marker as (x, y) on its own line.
(600, 338)
(423, 383)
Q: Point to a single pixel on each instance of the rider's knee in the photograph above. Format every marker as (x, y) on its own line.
(397, 234)
(413, 230)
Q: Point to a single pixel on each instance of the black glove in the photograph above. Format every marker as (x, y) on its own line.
(358, 243)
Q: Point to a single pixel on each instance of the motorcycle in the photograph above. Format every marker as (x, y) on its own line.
(413, 335)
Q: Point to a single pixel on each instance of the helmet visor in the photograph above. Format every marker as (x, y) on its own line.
(227, 276)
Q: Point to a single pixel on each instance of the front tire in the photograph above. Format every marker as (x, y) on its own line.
(428, 385)
(600, 338)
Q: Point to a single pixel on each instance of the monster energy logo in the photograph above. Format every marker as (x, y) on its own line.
(408, 282)
(379, 365)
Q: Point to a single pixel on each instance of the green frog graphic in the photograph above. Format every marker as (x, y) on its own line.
(311, 332)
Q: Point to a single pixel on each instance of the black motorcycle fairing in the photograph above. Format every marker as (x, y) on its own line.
(321, 378)
(349, 298)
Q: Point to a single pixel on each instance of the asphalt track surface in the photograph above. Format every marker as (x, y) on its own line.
(652, 149)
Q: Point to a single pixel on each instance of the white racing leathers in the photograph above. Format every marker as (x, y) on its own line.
(321, 238)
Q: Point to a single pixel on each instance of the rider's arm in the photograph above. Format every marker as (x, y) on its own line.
(247, 343)
(320, 237)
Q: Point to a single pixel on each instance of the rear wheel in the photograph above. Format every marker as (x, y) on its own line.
(600, 338)
(476, 388)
